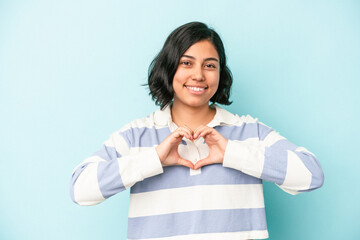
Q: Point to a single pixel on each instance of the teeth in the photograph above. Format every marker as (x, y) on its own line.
(196, 89)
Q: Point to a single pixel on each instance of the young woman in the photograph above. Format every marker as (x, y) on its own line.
(194, 170)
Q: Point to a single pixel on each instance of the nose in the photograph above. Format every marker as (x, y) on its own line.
(197, 74)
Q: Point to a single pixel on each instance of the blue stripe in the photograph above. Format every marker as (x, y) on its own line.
(107, 153)
(244, 131)
(314, 167)
(197, 222)
(148, 137)
(275, 162)
(275, 165)
(179, 176)
(275, 155)
(145, 137)
(284, 144)
(109, 178)
(263, 131)
(74, 177)
(108, 174)
(240, 133)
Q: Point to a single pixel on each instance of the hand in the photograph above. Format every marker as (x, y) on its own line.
(217, 144)
(168, 149)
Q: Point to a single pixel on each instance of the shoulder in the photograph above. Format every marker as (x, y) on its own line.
(145, 122)
(244, 122)
(137, 132)
(154, 121)
(225, 117)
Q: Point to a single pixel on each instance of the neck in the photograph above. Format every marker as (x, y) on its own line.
(191, 117)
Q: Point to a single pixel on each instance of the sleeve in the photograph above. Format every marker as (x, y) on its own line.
(112, 169)
(267, 155)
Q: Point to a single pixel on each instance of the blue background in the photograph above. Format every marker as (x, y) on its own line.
(71, 74)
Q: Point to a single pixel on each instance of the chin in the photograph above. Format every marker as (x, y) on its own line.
(197, 104)
(192, 102)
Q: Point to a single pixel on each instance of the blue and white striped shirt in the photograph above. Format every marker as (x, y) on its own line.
(216, 202)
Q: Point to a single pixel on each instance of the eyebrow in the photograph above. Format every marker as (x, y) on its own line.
(206, 59)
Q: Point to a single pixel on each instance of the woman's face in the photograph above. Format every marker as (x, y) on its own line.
(197, 76)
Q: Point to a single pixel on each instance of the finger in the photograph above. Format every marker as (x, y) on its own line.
(199, 130)
(206, 133)
(189, 133)
(201, 163)
(182, 133)
(203, 132)
(186, 127)
(186, 163)
(200, 127)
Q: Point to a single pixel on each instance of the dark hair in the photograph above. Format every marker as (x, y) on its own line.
(162, 69)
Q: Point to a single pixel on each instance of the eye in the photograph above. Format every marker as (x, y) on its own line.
(210, 65)
(186, 63)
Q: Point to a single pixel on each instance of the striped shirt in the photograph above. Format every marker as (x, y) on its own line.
(216, 202)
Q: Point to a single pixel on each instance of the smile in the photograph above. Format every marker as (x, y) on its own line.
(194, 89)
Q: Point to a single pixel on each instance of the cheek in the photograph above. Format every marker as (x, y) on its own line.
(179, 79)
(214, 80)
(180, 75)
(214, 85)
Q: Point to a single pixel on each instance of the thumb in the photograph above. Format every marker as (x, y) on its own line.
(185, 163)
(202, 162)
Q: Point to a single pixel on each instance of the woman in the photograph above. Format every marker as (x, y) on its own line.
(194, 170)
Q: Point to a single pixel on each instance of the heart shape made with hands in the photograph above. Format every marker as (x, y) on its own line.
(168, 149)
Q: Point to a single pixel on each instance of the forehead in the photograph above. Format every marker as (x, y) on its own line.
(202, 49)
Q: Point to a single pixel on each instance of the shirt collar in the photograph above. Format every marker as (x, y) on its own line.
(222, 116)
(163, 117)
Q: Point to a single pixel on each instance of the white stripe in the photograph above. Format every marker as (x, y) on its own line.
(298, 177)
(129, 171)
(246, 156)
(140, 123)
(240, 120)
(149, 121)
(194, 198)
(141, 163)
(250, 141)
(86, 188)
(137, 150)
(247, 119)
(272, 138)
(118, 142)
(217, 236)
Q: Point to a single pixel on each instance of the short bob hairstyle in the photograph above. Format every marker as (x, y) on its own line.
(162, 69)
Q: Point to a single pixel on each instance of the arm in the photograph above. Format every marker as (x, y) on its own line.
(273, 158)
(110, 170)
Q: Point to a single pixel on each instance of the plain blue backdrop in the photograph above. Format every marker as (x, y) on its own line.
(71, 74)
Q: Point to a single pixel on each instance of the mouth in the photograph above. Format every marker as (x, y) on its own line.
(196, 89)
